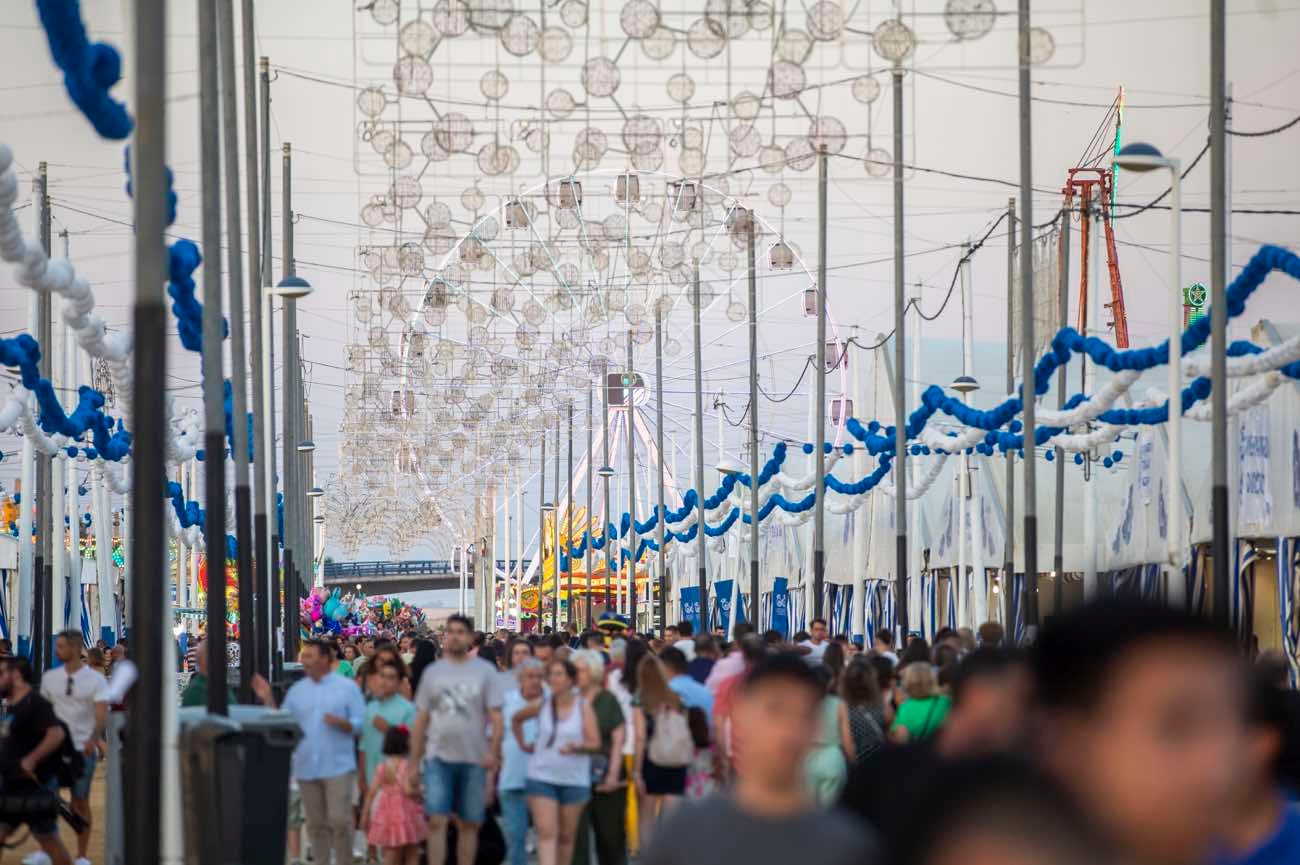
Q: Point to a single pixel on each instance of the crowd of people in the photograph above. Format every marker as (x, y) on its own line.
(54, 738)
(1127, 733)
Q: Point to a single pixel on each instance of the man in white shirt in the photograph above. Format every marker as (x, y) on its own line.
(686, 643)
(815, 647)
(79, 695)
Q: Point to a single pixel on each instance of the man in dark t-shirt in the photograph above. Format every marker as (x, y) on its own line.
(767, 817)
(32, 738)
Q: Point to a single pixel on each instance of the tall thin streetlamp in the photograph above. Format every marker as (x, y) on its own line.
(1143, 157)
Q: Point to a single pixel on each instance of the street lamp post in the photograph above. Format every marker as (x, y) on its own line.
(1144, 157)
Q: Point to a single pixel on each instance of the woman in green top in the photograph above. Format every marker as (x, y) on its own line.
(826, 766)
(923, 712)
(604, 812)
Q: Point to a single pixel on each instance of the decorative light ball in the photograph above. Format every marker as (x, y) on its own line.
(799, 154)
(384, 12)
(1042, 47)
(745, 140)
(519, 35)
(786, 79)
(397, 154)
(560, 102)
(417, 38)
(826, 20)
(451, 17)
(660, 44)
(574, 13)
(412, 75)
(472, 199)
(729, 15)
(494, 84)
(600, 77)
(878, 162)
(706, 38)
(969, 19)
(737, 311)
(672, 348)
(639, 18)
(866, 89)
(680, 87)
(794, 46)
(893, 40)
(371, 102)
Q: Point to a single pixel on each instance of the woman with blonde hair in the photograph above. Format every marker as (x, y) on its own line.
(923, 712)
(659, 768)
(604, 813)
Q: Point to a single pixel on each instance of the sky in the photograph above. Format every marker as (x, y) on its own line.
(960, 119)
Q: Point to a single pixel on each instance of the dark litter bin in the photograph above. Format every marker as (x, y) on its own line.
(236, 779)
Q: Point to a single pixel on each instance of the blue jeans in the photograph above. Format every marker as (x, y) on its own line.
(514, 814)
(458, 789)
(81, 789)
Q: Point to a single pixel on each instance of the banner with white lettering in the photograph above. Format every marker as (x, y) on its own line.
(690, 599)
(1254, 499)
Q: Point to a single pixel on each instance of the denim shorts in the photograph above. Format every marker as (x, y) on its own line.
(81, 787)
(458, 789)
(565, 794)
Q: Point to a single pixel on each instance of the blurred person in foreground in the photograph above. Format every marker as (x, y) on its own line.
(767, 815)
(1265, 824)
(989, 715)
(997, 810)
(1142, 717)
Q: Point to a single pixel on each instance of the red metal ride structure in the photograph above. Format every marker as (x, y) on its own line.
(1094, 185)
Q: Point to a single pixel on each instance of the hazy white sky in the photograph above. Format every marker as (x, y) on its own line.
(961, 118)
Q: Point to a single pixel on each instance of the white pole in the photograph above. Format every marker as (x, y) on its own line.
(1090, 482)
(961, 582)
(515, 600)
(58, 478)
(102, 520)
(916, 596)
(26, 551)
(1173, 484)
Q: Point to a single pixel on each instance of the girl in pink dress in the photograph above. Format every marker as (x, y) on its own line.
(393, 820)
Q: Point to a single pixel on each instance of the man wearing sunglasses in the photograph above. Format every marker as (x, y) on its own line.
(79, 695)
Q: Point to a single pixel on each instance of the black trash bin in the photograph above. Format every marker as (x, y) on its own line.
(236, 777)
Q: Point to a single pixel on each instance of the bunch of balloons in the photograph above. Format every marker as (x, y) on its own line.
(325, 612)
(232, 595)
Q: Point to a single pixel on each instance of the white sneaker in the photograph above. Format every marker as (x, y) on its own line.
(81, 860)
(37, 858)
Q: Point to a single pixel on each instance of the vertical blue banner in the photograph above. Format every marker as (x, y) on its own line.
(690, 600)
(780, 620)
(721, 617)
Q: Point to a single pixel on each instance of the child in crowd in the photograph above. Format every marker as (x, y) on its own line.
(393, 820)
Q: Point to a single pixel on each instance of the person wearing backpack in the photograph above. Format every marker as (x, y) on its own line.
(79, 695)
(34, 738)
(664, 745)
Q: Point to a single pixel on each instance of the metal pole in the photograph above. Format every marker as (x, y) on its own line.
(610, 547)
(819, 457)
(900, 364)
(555, 583)
(702, 554)
(541, 537)
(43, 594)
(659, 445)
(591, 467)
(1062, 319)
(753, 435)
(279, 624)
(1027, 322)
(144, 756)
(568, 540)
(1009, 548)
(248, 646)
(214, 457)
(1218, 314)
(631, 488)
(292, 408)
(263, 555)
(1174, 582)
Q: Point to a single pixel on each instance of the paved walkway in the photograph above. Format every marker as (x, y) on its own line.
(11, 856)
